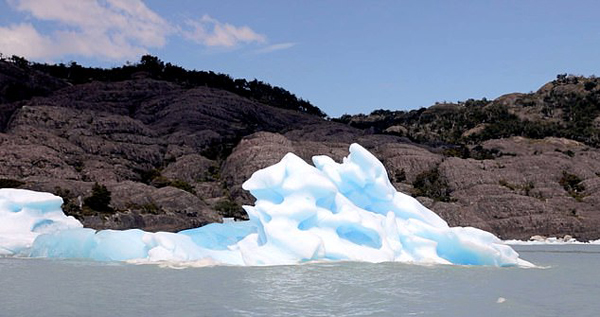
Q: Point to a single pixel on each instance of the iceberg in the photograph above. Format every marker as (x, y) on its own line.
(331, 211)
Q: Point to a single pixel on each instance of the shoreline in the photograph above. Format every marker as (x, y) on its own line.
(541, 240)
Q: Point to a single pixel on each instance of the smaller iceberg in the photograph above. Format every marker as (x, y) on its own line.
(25, 215)
(331, 211)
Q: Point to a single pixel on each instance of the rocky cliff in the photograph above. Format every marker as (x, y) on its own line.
(173, 156)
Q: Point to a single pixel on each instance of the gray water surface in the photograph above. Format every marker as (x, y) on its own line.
(569, 285)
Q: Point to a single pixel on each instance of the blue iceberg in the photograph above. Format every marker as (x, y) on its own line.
(331, 211)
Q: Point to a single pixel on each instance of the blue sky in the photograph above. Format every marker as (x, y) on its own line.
(343, 56)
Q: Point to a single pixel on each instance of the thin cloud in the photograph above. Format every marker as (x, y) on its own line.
(213, 33)
(24, 40)
(111, 29)
(114, 30)
(275, 47)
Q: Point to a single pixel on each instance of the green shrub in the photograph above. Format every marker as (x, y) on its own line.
(433, 185)
(524, 189)
(146, 176)
(160, 181)
(213, 173)
(506, 184)
(78, 166)
(457, 151)
(228, 208)
(572, 184)
(527, 187)
(589, 85)
(568, 153)
(183, 185)
(99, 200)
(153, 177)
(151, 208)
(478, 152)
(146, 208)
(399, 176)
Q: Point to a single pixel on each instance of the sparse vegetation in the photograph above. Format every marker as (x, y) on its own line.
(523, 189)
(572, 184)
(433, 185)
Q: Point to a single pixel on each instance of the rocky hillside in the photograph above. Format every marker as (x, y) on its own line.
(160, 154)
(567, 107)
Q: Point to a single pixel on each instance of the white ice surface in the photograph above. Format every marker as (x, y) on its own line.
(327, 212)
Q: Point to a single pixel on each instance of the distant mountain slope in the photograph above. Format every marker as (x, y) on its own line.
(152, 67)
(145, 151)
(568, 107)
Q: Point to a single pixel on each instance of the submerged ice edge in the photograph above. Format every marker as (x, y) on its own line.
(327, 212)
(207, 263)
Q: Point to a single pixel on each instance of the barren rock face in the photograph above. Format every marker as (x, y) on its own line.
(157, 147)
(175, 158)
(251, 154)
(522, 194)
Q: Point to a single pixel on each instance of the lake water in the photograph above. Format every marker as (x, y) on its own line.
(567, 285)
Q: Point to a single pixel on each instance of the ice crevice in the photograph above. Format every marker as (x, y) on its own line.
(327, 212)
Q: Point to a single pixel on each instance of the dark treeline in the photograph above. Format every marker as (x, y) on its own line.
(153, 67)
